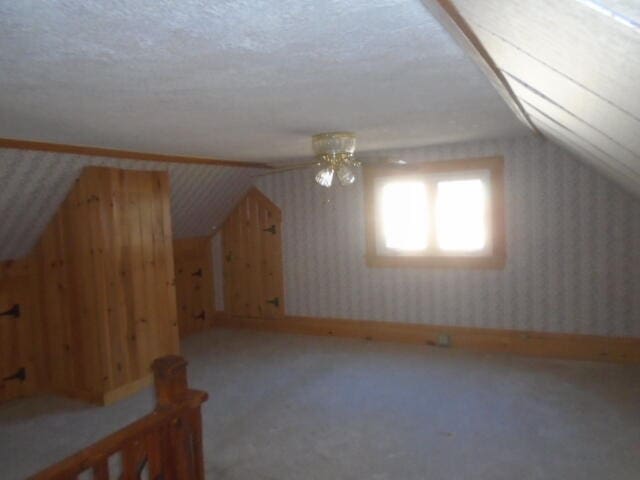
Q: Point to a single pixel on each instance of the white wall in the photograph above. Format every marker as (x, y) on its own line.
(573, 251)
(217, 256)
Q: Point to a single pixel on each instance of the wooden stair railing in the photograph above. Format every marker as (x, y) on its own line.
(164, 445)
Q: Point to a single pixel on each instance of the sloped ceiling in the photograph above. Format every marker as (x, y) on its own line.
(34, 184)
(575, 67)
(253, 79)
(239, 79)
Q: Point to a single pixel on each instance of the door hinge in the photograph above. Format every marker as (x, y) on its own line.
(12, 312)
(21, 375)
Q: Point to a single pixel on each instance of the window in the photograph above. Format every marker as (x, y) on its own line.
(403, 211)
(436, 214)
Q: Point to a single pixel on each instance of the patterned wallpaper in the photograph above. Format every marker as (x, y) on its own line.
(217, 255)
(35, 183)
(573, 251)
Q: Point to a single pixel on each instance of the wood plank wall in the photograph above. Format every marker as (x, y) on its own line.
(252, 246)
(18, 375)
(105, 285)
(194, 284)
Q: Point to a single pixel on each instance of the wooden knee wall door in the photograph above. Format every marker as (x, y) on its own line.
(194, 284)
(252, 246)
(17, 349)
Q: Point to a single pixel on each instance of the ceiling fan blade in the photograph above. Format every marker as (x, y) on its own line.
(287, 168)
(383, 161)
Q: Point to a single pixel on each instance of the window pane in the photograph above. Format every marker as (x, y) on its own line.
(404, 215)
(460, 215)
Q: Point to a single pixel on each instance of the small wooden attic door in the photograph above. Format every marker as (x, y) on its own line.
(17, 363)
(252, 245)
(194, 284)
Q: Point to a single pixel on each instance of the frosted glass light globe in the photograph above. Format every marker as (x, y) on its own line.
(325, 177)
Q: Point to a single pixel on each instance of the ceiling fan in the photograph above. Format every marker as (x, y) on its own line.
(334, 152)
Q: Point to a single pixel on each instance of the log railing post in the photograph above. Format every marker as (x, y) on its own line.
(185, 455)
(170, 378)
(168, 441)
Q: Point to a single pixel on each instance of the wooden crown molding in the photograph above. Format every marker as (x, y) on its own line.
(452, 20)
(123, 154)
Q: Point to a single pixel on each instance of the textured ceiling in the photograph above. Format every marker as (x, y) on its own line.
(575, 66)
(34, 184)
(237, 79)
(252, 80)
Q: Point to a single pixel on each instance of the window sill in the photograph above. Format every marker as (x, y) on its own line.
(495, 262)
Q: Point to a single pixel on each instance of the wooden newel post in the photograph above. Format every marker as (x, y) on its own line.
(169, 440)
(170, 378)
(184, 459)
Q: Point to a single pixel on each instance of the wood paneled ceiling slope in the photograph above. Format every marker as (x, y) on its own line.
(573, 66)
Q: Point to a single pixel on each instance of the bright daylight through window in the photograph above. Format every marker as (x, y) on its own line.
(405, 215)
(440, 213)
(461, 217)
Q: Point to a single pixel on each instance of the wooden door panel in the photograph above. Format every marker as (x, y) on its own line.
(271, 235)
(252, 248)
(194, 310)
(194, 284)
(17, 373)
(254, 260)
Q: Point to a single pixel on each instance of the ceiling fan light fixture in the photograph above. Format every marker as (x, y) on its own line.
(346, 176)
(335, 150)
(325, 177)
(334, 144)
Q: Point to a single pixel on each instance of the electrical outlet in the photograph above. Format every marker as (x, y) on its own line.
(444, 340)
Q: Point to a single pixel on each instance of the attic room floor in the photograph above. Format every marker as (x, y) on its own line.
(296, 407)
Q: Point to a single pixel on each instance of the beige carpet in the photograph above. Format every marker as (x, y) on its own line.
(295, 407)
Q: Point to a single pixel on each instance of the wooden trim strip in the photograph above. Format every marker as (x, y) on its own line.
(450, 18)
(525, 343)
(124, 154)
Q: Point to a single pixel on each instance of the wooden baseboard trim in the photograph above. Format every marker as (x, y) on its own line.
(535, 344)
(127, 389)
(82, 395)
(101, 398)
